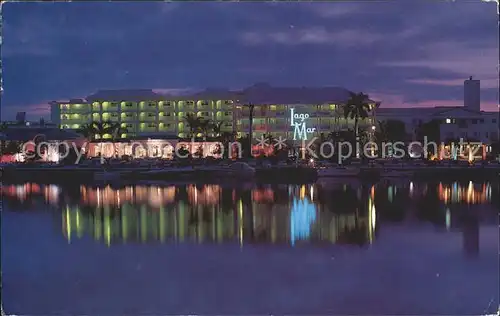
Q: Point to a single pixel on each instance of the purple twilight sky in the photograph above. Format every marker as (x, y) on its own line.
(404, 53)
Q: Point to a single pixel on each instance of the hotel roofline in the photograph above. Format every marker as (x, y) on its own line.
(258, 94)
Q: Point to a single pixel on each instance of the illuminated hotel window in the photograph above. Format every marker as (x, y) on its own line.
(272, 107)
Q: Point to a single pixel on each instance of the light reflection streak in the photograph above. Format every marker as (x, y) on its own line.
(280, 213)
(303, 215)
(456, 193)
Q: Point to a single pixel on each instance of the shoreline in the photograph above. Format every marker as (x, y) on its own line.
(283, 174)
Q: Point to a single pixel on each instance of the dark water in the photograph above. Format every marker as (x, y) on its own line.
(327, 248)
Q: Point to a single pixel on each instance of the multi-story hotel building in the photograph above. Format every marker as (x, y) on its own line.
(145, 113)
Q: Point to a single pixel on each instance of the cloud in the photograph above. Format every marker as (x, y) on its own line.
(26, 39)
(395, 100)
(330, 10)
(455, 57)
(485, 84)
(173, 91)
(311, 35)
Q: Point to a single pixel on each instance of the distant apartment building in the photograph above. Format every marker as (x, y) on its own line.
(467, 121)
(146, 113)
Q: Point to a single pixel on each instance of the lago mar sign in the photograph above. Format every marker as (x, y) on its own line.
(299, 124)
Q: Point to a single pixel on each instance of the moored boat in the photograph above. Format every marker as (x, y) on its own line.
(338, 172)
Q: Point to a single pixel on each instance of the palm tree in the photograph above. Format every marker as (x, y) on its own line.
(89, 131)
(251, 107)
(216, 127)
(357, 107)
(226, 138)
(3, 126)
(204, 125)
(194, 123)
(12, 147)
(381, 133)
(116, 131)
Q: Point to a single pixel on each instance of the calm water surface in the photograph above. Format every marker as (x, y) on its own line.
(327, 248)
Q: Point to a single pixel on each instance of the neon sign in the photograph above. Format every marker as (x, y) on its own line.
(298, 122)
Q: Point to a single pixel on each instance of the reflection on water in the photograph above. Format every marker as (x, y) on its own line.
(472, 194)
(292, 214)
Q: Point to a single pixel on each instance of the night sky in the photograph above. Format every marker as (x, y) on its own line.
(404, 53)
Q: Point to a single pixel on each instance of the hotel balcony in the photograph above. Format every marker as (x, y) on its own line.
(74, 122)
(128, 117)
(272, 120)
(148, 127)
(113, 117)
(110, 106)
(96, 107)
(71, 126)
(205, 115)
(166, 127)
(129, 126)
(167, 116)
(74, 108)
(224, 105)
(75, 118)
(227, 115)
(128, 106)
(277, 108)
(204, 105)
(148, 106)
(166, 106)
(147, 117)
(186, 106)
(181, 116)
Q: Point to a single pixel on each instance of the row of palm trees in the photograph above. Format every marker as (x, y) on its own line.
(96, 130)
(199, 125)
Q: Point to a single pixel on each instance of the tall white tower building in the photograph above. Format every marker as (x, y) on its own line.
(472, 94)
